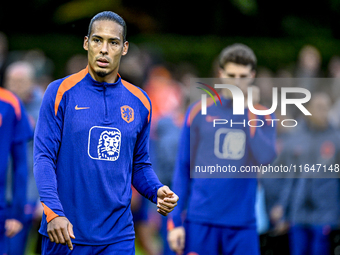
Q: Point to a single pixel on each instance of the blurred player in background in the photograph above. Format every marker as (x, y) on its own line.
(276, 241)
(15, 131)
(220, 215)
(20, 79)
(91, 143)
(311, 205)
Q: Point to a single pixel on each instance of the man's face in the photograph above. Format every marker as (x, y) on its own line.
(105, 47)
(319, 107)
(20, 82)
(239, 75)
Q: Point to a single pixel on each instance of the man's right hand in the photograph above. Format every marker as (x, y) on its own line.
(176, 239)
(60, 230)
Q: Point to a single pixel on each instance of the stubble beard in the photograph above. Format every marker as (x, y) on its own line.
(102, 74)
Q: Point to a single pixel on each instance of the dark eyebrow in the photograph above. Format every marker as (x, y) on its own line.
(97, 36)
(114, 38)
(111, 39)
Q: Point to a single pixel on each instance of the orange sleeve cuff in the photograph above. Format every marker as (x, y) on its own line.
(50, 215)
(170, 224)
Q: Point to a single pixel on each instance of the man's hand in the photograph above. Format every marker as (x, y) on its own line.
(276, 213)
(60, 230)
(176, 239)
(12, 227)
(166, 200)
(276, 217)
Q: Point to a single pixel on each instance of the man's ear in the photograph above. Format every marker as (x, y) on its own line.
(221, 73)
(125, 48)
(86, 43)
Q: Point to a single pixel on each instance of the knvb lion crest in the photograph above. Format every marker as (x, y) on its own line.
(127, 113)
(104, 143)
(109, 145)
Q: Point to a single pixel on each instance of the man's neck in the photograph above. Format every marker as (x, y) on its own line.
(226, 94)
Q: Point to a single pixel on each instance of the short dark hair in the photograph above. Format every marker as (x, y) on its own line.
(108, 15)
(239, 54)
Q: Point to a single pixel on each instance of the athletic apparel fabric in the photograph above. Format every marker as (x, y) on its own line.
(91, 143)
(220, 201)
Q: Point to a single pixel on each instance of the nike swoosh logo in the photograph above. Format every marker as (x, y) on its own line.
(81, 108)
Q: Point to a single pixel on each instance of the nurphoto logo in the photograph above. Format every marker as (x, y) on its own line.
(239, 103)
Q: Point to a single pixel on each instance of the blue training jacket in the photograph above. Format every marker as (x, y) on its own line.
(220, 201)
(91, 143)
(15, 132)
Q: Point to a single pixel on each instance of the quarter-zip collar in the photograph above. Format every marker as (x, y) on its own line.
(103, 87)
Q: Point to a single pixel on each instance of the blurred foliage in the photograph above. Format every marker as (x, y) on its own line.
(79, 9)
(247, 7)
(57, 47)
(193, 32)
(274, 53)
